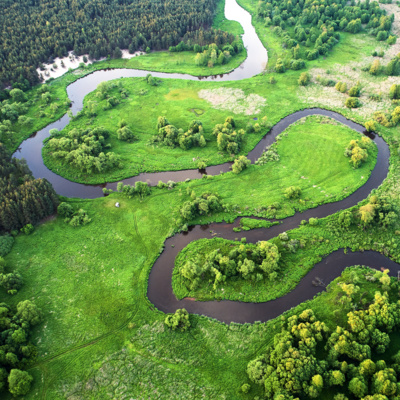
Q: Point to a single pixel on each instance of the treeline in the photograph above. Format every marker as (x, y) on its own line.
(33, 31)
(352, 360)
(198, 40)
(23, 200)
(315, 25)
(16, 351)
(15, 348)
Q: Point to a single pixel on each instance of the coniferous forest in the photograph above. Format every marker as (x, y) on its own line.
(33, 31)
(23, 200)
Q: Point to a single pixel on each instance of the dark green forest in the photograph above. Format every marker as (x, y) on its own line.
(23, 200)
(33, 31)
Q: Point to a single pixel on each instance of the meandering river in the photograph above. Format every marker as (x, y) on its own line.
(159, 288)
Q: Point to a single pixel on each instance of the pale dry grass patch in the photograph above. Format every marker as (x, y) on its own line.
(234, 100)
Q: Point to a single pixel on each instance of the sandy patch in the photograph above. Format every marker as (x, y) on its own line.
(72, 61)
(234, 100)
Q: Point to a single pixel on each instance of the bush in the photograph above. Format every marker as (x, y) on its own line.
(313, 221)
(19, 382)
(65, 210)
(370, 126)
(382, 35)
(178, 321)
(245, 388)
(79, 218)
(6, 244)
(280, 66)
(394, 92)
(292, 192)
(391, 40)
(27, 229)
(375, 67)
(352, 102)
(355, 90)
(341, 87)
(240, 164)
(304, 79)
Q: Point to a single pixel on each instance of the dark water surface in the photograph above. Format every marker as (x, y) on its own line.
(160, 289)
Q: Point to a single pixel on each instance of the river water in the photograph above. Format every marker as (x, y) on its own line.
(159, 288)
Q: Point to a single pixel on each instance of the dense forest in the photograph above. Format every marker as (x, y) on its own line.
(354, 360)
(23, 200)
(315, 25)
(33, 31)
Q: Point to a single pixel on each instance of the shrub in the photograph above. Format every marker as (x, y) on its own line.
(272, 80)
(80, 218)
(352, 102)
(313, 221)
(341, 87)
(250, 128)
(355, 90)
(304, 79)
(201, 165)
(382, 35)
(125, 134)
(280, 66)
(240, 164)
(178, 321)
(19, 382)
(6, 244)
(358, 152)
(292, 192)
(245, 388)
(370, 126)
(394, 92)
(391, 40)
(65, 210)
(27, 229)
(375, 67)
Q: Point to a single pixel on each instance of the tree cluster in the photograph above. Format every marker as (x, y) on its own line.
(216, 55)
(200, 205)
(171, 136)
(252, 263)
(141, 189)
(307, 357)
(379, 211)
(85, 150)
(23, 200)
(240, 164)
(10, 281)
(228, 139)
(71, 216)
(315, 25)
(15, 348)
(178, 321)
(357, 150)
(33, 32)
